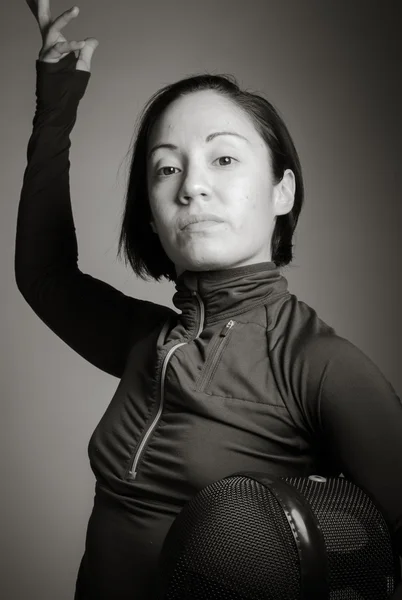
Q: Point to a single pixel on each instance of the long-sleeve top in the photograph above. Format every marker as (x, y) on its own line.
(244, 377)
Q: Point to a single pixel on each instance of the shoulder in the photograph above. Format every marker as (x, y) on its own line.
(339, 379)
(318, 346)
(296, 326)
(313, 350)
(327, 376)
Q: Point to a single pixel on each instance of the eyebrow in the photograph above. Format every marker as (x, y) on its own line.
(209, 138)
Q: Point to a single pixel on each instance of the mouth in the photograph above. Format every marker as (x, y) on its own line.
(201, 225)
(199, 219)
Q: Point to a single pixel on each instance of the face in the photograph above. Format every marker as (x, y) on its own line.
(196, 170)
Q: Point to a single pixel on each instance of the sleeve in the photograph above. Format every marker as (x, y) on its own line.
(358, 415)
(97, 321)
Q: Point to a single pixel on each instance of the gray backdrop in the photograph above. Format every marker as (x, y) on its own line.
(333, 69)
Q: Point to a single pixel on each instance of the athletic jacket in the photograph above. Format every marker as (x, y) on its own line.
(243, 376)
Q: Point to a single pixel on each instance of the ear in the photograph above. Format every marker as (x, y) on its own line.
(284, 193)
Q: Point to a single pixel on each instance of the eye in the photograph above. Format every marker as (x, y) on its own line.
(225, 159)
(165, 171)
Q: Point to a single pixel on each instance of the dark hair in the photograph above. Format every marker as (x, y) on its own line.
(140, 246)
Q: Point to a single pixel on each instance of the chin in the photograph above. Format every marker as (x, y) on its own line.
(205, 263)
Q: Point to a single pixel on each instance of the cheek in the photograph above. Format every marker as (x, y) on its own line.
(157, 206)
(161, 200)
(251, 201)
(253, 209)
(163, 218)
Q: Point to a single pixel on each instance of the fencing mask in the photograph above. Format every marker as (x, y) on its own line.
(249, 536)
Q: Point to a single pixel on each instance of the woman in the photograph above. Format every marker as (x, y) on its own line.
(245, 377)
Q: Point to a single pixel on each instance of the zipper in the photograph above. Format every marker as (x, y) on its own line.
(133, 472)
(216, 354)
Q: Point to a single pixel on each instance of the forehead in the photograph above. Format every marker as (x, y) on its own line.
(198, 114)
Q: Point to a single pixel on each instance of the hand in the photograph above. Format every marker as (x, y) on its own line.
(55, 46)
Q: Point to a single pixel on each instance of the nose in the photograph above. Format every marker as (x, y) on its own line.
(195, 183)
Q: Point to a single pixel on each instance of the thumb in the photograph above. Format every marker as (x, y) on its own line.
(86, 53)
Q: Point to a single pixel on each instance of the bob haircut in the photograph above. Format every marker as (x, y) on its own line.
(138, 243)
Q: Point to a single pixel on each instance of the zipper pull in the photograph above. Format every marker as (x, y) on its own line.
(227, 328)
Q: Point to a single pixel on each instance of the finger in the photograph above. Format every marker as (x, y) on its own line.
(41, 11)
(44, 16)
(86, 53)
(64, 19)
(63, 47)
(54, 53)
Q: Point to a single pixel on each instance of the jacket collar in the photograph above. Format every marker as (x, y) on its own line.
(227, 291)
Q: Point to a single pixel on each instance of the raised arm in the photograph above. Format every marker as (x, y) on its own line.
(93, 318)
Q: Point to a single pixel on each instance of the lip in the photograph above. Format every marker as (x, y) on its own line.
(199, 219)
(201, 225)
